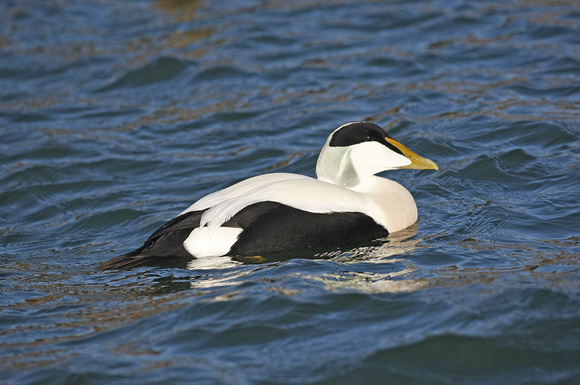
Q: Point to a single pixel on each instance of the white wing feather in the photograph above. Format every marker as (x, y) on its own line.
(298, 191)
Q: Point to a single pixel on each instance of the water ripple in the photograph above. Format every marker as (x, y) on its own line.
(114, 117)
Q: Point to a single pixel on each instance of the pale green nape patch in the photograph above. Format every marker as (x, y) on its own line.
(335, 166)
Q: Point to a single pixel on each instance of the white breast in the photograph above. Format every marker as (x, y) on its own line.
(392, 205)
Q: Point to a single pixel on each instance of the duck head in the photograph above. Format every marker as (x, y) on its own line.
(358, 150)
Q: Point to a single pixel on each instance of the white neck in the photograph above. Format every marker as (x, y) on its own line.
(350, 165)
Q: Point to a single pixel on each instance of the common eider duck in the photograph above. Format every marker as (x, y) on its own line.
(346, 204)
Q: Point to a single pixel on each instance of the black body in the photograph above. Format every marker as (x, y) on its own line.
(268, 227)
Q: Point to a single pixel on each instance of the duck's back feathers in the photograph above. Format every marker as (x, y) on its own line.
(299, 191)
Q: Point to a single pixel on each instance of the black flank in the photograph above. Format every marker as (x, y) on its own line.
(285, 228)
(268, 227)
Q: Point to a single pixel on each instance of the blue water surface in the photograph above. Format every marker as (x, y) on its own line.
(115, 116)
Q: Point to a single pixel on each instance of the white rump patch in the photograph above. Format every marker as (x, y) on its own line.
(204, 242)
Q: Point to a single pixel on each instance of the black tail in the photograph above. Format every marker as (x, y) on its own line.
(163, 248)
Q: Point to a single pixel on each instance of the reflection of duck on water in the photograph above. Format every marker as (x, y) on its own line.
(346, 204)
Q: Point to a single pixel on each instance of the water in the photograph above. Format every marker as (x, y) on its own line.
(115, 116)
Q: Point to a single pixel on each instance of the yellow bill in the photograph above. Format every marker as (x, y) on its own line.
(417, 162)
